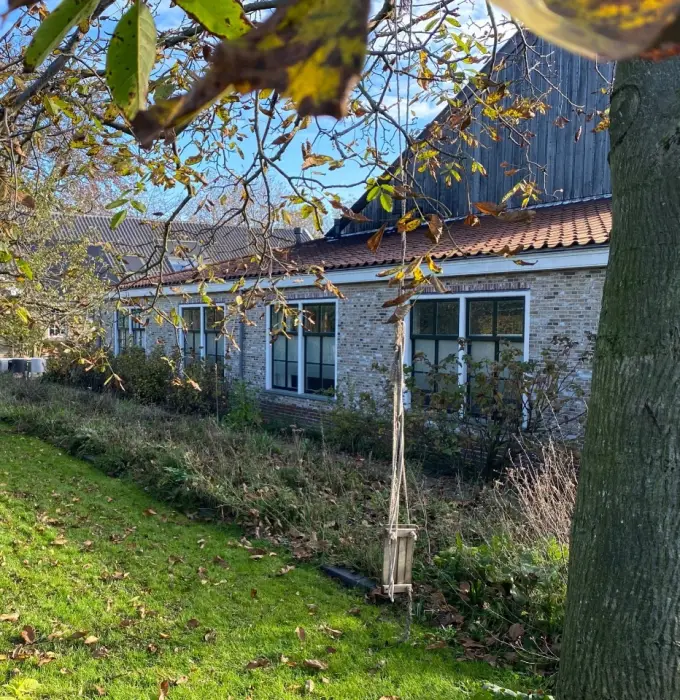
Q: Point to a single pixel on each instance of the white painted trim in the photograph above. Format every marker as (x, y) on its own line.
(538, 261)
(268, 370)
(202, 347)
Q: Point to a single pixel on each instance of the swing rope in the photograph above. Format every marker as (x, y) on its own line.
(399, 485)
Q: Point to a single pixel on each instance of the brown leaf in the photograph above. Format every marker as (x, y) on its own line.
(336, 634)
(518, 216)
(516, 632)
(578, 133)
(100, 653)
(253, 592)
(373, 243)
(512, 171)
(490, 208)
(471, 220)
(354, 611)
(401, 299)
(258, 663)
(91, 640)
(440, 644)
(163, 690)
(100, 690)
(9, 617)
(285, 570)
(561, 122)
(220, 562)
(76, 635)
(315, 664)
(59, 541)
(331, 650)
(193, 623)
(150, 511)
(301, 634)
(309, 50)
(28, 634)
(435, 228)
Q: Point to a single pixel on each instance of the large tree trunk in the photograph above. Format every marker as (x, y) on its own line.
(622, 634)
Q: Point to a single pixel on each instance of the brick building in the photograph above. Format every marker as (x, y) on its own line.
(518, 279)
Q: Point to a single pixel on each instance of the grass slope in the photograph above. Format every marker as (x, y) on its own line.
(82, 553)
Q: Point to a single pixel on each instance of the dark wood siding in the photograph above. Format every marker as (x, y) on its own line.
(564, 167)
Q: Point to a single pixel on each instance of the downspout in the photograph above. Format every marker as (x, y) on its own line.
(242, 353)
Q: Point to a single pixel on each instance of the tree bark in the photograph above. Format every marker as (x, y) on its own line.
(622, 632)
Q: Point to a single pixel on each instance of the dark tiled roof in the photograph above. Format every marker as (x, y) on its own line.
(557, 226)
(141, 237)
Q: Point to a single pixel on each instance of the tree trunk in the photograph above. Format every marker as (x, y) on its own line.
(622, 633)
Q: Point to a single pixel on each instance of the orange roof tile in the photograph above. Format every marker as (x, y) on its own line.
(556, 226)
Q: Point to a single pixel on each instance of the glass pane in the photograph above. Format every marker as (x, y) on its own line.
(122, 320)
(276, 319)
(279, 348)
(422, 381)
(482, 351)
(214, 318)
(313, 378)
(292, 375)
(292, 347)
(448, 318)
(510, 317)
(480, 317)
(313, 349)
(311, 319)
(192, 319)
(328, 372)
(327, 318)
(448, 356)
(328, 354)
(423, 350)
(423, 317)
(279, 374)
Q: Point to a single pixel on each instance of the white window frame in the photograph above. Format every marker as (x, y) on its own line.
(116, 344)
(269, 365)
(463, 298)
(180, 309)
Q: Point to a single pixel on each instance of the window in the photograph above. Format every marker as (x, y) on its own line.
(179, 264)
(493, 326)
(435, 340)
(202, 334)
(302, 356)
(319, 334)
(488, 325)
(54, 330)
(284, 351)
(130, 330)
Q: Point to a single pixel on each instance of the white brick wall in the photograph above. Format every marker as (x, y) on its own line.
(561, 303)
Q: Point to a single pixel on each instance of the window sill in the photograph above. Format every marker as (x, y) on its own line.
(295, 395)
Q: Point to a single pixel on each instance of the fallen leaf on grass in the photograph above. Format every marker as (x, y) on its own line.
(100, 653)
(150, 511)
(336, 634)
(220, 562)
(309, 686)
(315, 664)
(193, 623)
(210, 636)
(253, 593)
(516, 632)
(301, 634)
(331, 650)
(76, 635)
(100, 690)
(9, 617)
(28, 634)
(91, 640)
(285, 570)
(163, 690)
(440, 644)
(390, 697)
(258, 663)
(59, 541)
(354, 611)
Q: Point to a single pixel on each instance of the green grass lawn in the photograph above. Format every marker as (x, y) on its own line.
(124, 594)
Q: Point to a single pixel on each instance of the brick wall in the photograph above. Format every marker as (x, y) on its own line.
(561, 303)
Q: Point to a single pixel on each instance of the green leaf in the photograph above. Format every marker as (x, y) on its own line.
(130, 59)
(54, 28)
(24, 268)
(118, 219)
(223, 18)
(23, 314)
(139, 206)
(386, 201)
(117, 203)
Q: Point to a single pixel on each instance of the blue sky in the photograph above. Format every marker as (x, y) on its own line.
(168, 17)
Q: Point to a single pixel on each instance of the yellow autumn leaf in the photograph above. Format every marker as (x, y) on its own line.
(614, 29)
(309, 50)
